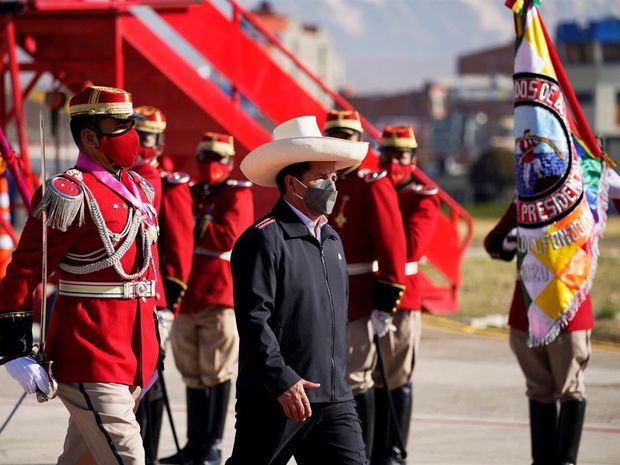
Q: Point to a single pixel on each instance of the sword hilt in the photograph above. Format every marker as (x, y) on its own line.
(38, 355)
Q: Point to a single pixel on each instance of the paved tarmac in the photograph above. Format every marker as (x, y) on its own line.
(469, 409)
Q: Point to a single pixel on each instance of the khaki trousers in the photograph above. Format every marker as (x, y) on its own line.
(555, 371)
(398, 349)
(205, 346)
(102, 424)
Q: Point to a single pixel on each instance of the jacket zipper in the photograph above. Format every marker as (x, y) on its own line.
(331, 301)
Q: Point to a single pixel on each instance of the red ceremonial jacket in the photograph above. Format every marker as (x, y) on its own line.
(89, 339)
(176, 225)
(517, 318)
(173, 202)
(222, 213)
(367, 218)
(419, 206)
(151, 174)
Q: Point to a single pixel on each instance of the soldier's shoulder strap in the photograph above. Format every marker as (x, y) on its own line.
(63, 201)
(238, 183)
(178, 177)
(265, 222)
(372, 176)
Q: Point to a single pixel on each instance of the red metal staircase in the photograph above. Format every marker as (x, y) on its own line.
(207, 71)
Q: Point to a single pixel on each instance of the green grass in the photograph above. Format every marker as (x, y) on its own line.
(489, 210)
(487, 284)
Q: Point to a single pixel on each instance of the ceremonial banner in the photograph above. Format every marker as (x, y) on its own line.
(561, 182)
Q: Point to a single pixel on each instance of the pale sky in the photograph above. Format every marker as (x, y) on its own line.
(390, 45)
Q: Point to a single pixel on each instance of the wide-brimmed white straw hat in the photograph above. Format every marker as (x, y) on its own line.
(295, 141)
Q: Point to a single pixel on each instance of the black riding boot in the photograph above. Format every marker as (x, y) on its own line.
(570, 425)
(197, 428)
(386, 448)
(543, 421)
(216, 420)
(366, 411)
(149, 416)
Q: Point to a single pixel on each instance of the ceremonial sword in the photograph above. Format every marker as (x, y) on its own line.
(40, 355)
(37, 354)
(19, 402)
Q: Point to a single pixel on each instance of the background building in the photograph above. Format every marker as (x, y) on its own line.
(591, 57)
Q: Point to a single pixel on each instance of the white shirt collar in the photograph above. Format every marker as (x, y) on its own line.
(314, 227)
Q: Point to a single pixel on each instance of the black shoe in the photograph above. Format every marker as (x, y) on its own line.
(175, 459)
(213, 455)
(365, 405)
(386, 447)
(393, 460)
(197, 428)
(543, 421)
(570, 425)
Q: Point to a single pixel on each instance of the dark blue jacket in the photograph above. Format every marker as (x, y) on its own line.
(291, 297)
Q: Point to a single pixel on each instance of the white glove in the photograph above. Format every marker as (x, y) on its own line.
(165, 318)
(510, 241)
(29, 374)
(613, 179)
(381, 322)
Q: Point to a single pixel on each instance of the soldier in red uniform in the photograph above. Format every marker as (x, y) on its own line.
(101, 242)
(173, 203)
(419, 206)
(204, 335)
(554, 372)
(367, 218)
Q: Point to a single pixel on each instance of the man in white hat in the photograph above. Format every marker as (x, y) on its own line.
(291, 293)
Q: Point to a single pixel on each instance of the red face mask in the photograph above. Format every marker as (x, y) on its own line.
(122, 149)
(397, 173)
(146, 155)
(213, 172)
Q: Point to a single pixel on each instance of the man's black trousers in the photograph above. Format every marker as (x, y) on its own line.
(264, 436)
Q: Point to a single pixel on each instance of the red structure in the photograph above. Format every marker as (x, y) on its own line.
(206, 70)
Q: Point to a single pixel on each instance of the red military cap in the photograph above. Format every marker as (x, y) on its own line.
(102, 101)
(154, 121)
(343, 120)
(401, 137)
(223, 144)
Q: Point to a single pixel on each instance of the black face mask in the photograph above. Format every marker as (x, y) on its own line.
(320, 198)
